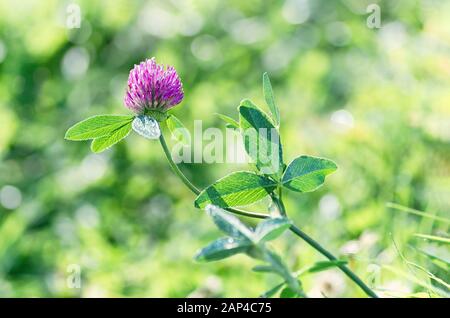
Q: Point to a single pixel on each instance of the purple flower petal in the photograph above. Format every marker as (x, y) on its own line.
(152, 87)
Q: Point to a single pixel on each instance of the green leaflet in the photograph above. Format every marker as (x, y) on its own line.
(261, 139)
(236, 189)
(287, 292)
(263, 269)
(270, 100)
(230, 122)
(222, 248)
(306, 174)
(270, 229)
(281, 269)
(228, 223)
(103, 143)
(324, 265)
(96, 126)
(271, 292)
(243, 240)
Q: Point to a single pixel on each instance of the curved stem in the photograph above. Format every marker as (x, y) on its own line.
(248, 213)
(331, 257)
(278, 200)
(194, 189)
(308, 239)
(175, 168)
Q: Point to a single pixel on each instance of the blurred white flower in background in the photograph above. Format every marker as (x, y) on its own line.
(328, 284)
(365, 241)
(342, 120)
(350, 248)
(94, 291)
(368, 239)
(394, 289)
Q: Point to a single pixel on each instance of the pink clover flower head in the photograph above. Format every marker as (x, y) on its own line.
(152, 87)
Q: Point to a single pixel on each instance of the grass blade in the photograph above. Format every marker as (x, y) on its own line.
(434, 238)
(402, 208)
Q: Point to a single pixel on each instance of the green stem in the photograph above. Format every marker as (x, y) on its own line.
(278, 200)
(194, 189)
(308, 239)
(175, 168)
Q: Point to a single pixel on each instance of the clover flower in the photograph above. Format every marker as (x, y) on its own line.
(152, 87)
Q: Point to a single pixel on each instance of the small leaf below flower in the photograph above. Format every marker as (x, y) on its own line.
(146, 126)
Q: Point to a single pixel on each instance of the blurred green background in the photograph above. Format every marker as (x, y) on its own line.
(376, 101)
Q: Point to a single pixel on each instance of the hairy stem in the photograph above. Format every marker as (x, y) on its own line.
(279, 202)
